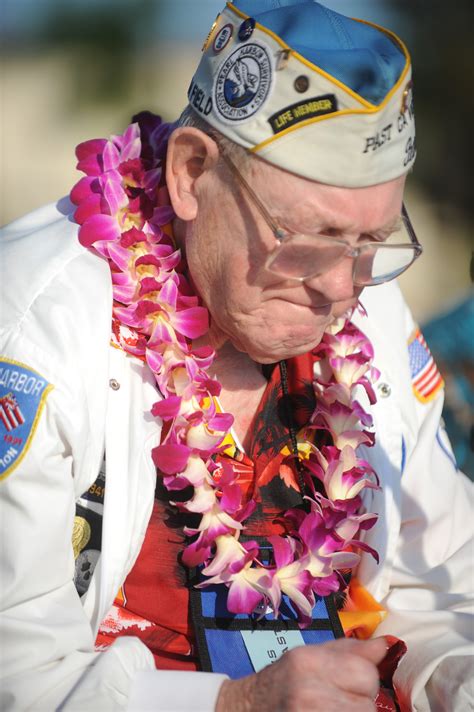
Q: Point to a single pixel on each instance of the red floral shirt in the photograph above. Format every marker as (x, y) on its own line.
(153, 603)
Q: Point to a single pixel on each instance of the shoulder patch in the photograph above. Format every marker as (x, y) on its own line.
(23, 393)
(426, 379)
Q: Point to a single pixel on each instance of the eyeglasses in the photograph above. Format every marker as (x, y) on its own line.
(300, 257)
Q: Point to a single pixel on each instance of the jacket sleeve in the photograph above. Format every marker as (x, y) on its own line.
(430, 596)
(48, 658)
(47, 648)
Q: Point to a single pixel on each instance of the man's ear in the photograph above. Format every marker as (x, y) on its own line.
(190, 153)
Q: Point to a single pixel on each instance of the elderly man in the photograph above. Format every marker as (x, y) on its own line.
(220, 423)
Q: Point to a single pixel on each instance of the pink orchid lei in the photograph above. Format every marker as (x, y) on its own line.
(122, 209)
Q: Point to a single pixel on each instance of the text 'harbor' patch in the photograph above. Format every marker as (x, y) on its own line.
(23, 393)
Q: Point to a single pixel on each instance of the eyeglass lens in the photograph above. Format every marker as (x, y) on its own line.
(305, 256)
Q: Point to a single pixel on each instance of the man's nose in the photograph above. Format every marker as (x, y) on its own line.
(336, 283)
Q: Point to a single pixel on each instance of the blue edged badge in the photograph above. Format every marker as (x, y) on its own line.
(238, 644)
(23, 393)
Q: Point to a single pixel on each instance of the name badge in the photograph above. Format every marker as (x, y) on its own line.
(267, 646)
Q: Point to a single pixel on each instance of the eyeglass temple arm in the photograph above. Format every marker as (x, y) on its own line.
(410, 229)
(275, 228)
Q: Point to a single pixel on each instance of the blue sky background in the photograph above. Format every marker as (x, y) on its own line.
(24, 19)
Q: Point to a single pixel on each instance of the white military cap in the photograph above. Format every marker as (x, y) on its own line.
(319, 94)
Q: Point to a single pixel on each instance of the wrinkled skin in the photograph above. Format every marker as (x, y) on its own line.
(258, 317)
(332, 677)
(227, 241)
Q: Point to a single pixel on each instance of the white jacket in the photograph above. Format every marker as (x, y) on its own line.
(55, 320)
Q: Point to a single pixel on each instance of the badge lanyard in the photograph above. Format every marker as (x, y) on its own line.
(240, 644)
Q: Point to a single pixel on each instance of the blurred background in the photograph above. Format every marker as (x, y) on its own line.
(79, 69)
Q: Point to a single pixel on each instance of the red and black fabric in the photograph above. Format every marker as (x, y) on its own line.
(155, 601)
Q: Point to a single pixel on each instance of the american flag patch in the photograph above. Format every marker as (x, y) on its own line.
(10, 413)
(426, 379)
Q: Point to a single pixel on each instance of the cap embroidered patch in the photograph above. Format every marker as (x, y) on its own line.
(243, 82)
(303, 110)
(426, 379)
(23, 393)
(309, 90)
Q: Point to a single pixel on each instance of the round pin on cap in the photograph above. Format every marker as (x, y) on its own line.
(222, 38)
(246, 29)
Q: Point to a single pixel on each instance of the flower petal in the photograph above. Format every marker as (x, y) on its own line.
(193, 322)
(163, 215)
(242, 597)
(89, 155)
(171, 458)
(110, 156)
(167, 408)
(83, 188)
(94, 204)
(98, 227)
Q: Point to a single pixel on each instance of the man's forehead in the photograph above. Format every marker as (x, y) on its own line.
(293, 198)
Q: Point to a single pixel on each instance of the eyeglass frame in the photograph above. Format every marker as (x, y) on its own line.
(280, 234)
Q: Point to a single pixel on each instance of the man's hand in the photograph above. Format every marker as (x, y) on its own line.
(332, 677)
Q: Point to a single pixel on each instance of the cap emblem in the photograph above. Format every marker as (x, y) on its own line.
(246, 29)
(243, 82)
(222, 38)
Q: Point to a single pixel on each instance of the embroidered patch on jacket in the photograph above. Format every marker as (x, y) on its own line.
(87, 544)
(23, 393)
(426, 379)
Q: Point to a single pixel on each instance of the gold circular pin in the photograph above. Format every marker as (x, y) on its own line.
(81, 534)
(301, 84)
(407, 97)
